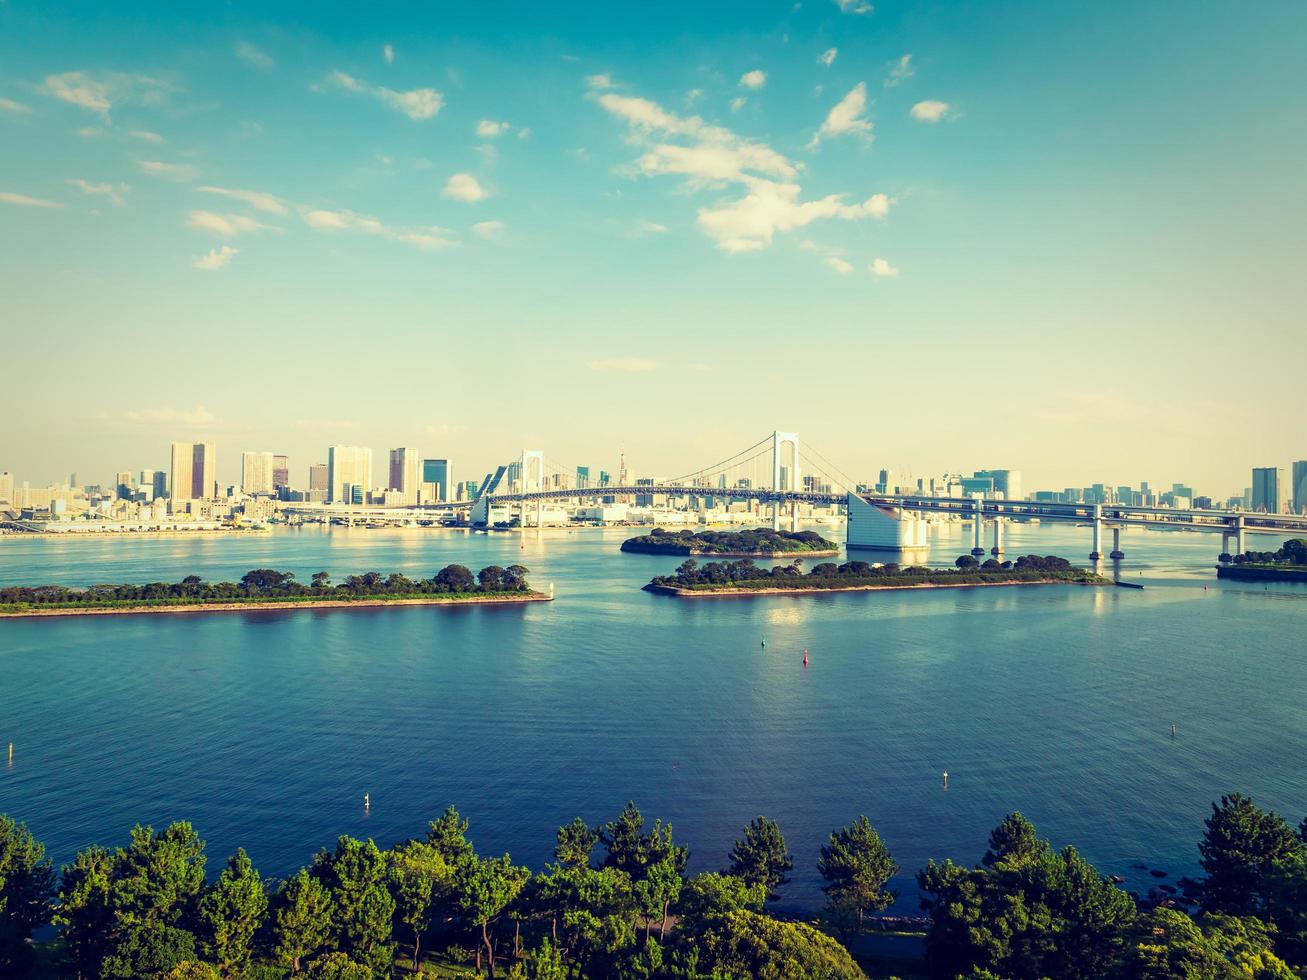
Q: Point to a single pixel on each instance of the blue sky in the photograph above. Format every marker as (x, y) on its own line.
(1056, 237)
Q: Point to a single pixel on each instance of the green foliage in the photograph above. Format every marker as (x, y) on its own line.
(1285, 891)
(231, 912)
(764, 948)
(631, 849)
(576, 844)
(857, 866)
(338, 966)
(356, 876)
(27, 881)
(1239, 848)
(421, 879)
(448, 834)
(761, 857)
(1014, 843)
(485, 888)
(1166, 943)
(708, 899)
(761, 541)
(546, 963)
(302, 920)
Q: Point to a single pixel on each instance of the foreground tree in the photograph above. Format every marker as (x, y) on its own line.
(231, 912)
(857, 866)
(485, 889)
(356, 876)
(27, 884)
(753, 945)
(448, 834)
(421, 880)
(302, 920)
(761, 857)
(1239, 848)
(576, 844)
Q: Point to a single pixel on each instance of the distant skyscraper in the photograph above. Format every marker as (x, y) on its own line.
(1300, 486)
(437, 480)
(6, 486)
(256, 473)
(280, 472)
(122, 483)
(348, 465)
(405, 473)
(159, 484)
(1267, 489)
(194, 467)
(582, 477)
(1007, 483)
(319, 477)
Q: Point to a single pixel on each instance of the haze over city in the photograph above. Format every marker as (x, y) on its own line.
(932, 238)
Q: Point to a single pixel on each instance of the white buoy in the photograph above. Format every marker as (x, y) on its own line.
(946, 779)
(367, 801)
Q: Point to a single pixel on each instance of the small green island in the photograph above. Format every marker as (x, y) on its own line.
(744, 578)
(758, 542)
(267, 588)
(1288, 564)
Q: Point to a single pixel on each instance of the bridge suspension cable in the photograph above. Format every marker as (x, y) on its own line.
(725, 463)
(849, 484)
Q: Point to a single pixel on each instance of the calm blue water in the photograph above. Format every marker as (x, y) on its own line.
(265, 729)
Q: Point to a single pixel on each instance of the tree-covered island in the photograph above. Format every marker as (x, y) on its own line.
(745, 578)
(268, 588)
(757, 542)
(1288, 564)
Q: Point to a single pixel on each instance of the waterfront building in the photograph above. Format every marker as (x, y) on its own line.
(982, 485)
(405, 474)
(437, 480)
(1268, 482)
(122, 484)
(582, 477)
(280, 472)
(256, 473)
(881, 527)
(348, 466)
(194, 469)
(319, 478)
(1007, 483)
(1300, 486)
(7, 487)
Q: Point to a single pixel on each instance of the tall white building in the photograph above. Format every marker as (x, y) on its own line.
(256, 473)
(406, 474)
(194, 471)
(348, 466)
(7, 486)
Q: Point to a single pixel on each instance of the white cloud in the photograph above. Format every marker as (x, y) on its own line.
(217, 258)
(488, 229)
(388, 53)
(900, 70)
(111, 192)
(848, 116)
(198, 416)
(827, 57)
(524, 133)
(737, 103)
(465, 188)
(147, 136)
(710, 156)
(23, 201)
(252, 55)
(418, 103)
(100, 91)
(90, 132)
(9, 105)
(755, 79)
(226, 225)
(839, 265)
(428, 238)
(854, 6)
(267, 203)
(489, 129)
(883, 270)
(599, 81)
(623, 365)
(173, 171)
(650, 227)
(932, 110)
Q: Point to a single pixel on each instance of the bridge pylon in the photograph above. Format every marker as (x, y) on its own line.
(791, 475)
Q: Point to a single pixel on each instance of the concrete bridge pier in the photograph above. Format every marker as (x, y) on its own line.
(1097, 553)
(997, 550)
(775, 515)
(1239, 544)
(978, 531)
(1225, 542)
(1117, 554)
(794, 515)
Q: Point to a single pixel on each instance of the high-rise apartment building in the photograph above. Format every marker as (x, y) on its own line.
(1007, 483)
(348, 466)
(158, 484)
(437, 480)
(7, 487)
(122, 484)
(319, 477)
(1268, 483)
(1300, 486)
(194, 469)
(280, 472)
(256, 473)
(405, 473)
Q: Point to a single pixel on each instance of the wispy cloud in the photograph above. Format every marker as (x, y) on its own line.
(854, 6)
(650, 227)
(931, 110)
(217, 258)
(251, 55)
(173, 171)
(113, 193)
(490, 129)
(839, 265)
(464, 187)
(827, 57)
(9, 105)
(418, 103)
(599, 82)
(24, 201)
(99, 92)
(388, 53)
(755, 79)
(226, 225)
(268, 203)
(488, 229)
(738, 103)
(146, 136)
(881, 269)
(623, 365)
(847, 117)
(198, 417)
(428, 238)
(899, 71)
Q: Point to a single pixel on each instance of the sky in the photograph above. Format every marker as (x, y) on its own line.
(1056, 237)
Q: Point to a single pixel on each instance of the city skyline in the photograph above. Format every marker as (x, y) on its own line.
(923, 239)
